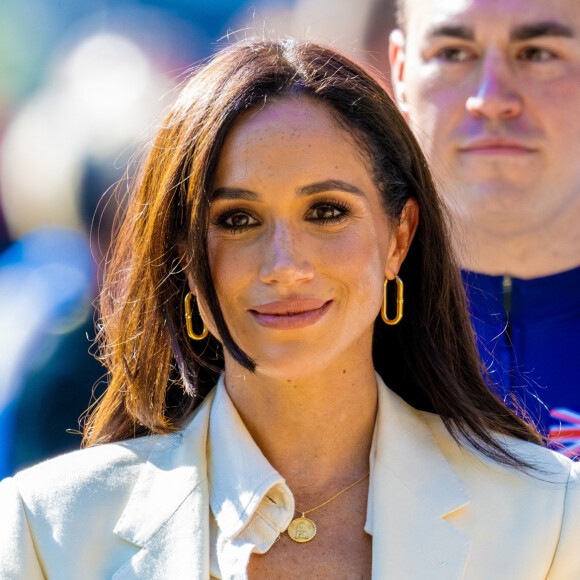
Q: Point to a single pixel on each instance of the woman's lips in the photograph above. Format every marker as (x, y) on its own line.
(290, 314)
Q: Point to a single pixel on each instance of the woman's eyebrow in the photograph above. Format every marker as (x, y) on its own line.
(311, 189)
(234, 193)
(329, 185)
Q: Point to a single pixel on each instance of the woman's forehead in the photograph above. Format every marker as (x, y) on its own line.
(303, 129)
(288, 112)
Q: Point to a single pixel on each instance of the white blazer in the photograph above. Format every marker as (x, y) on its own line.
(140, 509)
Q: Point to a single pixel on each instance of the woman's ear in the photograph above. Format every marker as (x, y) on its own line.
(185, 264)
(203, 310)
(401, 238)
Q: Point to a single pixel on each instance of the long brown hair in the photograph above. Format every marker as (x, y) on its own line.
(158, 376)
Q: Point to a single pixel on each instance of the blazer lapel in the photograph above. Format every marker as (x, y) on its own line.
(167, 516)
(413, 489)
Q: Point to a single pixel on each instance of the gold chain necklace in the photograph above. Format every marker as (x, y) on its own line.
(303, 529)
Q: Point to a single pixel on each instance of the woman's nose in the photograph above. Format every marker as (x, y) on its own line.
(495, 96)
(283, 260)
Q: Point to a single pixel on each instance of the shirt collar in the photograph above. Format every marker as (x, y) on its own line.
(528, 297)
(381, 394)
(242, 481)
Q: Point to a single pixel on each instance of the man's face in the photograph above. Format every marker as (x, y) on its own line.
(492, 91)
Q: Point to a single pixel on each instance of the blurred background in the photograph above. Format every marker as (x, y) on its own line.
(82, 85)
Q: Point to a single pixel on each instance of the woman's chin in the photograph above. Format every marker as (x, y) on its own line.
(294, 365)
(305, 357)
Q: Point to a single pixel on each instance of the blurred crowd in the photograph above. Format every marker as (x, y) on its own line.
(82, 85)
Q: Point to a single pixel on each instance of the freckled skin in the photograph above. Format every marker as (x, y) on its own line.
(296, 216)
(274, 152)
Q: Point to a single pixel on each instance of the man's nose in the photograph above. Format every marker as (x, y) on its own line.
(284, 259)
(495, 96)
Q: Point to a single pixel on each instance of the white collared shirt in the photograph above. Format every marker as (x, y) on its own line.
(251, 505)
(250, 501)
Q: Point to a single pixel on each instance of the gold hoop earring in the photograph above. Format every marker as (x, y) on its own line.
(399, 315)
(188, 323)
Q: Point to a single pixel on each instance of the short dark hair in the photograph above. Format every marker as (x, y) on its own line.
(400, 14)
(158, 376)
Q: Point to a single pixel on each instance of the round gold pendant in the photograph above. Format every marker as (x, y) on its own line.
(302, 530)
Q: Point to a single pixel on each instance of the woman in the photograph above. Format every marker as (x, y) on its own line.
(281, 206)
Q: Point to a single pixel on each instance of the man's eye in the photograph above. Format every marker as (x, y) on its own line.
(454, 54)
(536, 54)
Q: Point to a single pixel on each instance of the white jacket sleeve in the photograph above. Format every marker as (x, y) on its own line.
(18, 559)
(566, 564)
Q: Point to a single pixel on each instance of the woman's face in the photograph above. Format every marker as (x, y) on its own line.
(299, 243)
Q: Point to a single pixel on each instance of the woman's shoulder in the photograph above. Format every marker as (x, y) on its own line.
(461, 454)
(96, 505)
(61, 502)
(111, 466)
(78, 475)
(538, 507)
(547, 465)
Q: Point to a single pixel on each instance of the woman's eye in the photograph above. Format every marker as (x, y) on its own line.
(327, 212)
(237, 220)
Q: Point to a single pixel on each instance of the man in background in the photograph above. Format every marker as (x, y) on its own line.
(492, 91)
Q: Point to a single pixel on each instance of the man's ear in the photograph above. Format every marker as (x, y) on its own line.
(402, 237)
(397, 62)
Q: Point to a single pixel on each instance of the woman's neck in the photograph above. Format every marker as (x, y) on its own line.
(317, 430)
